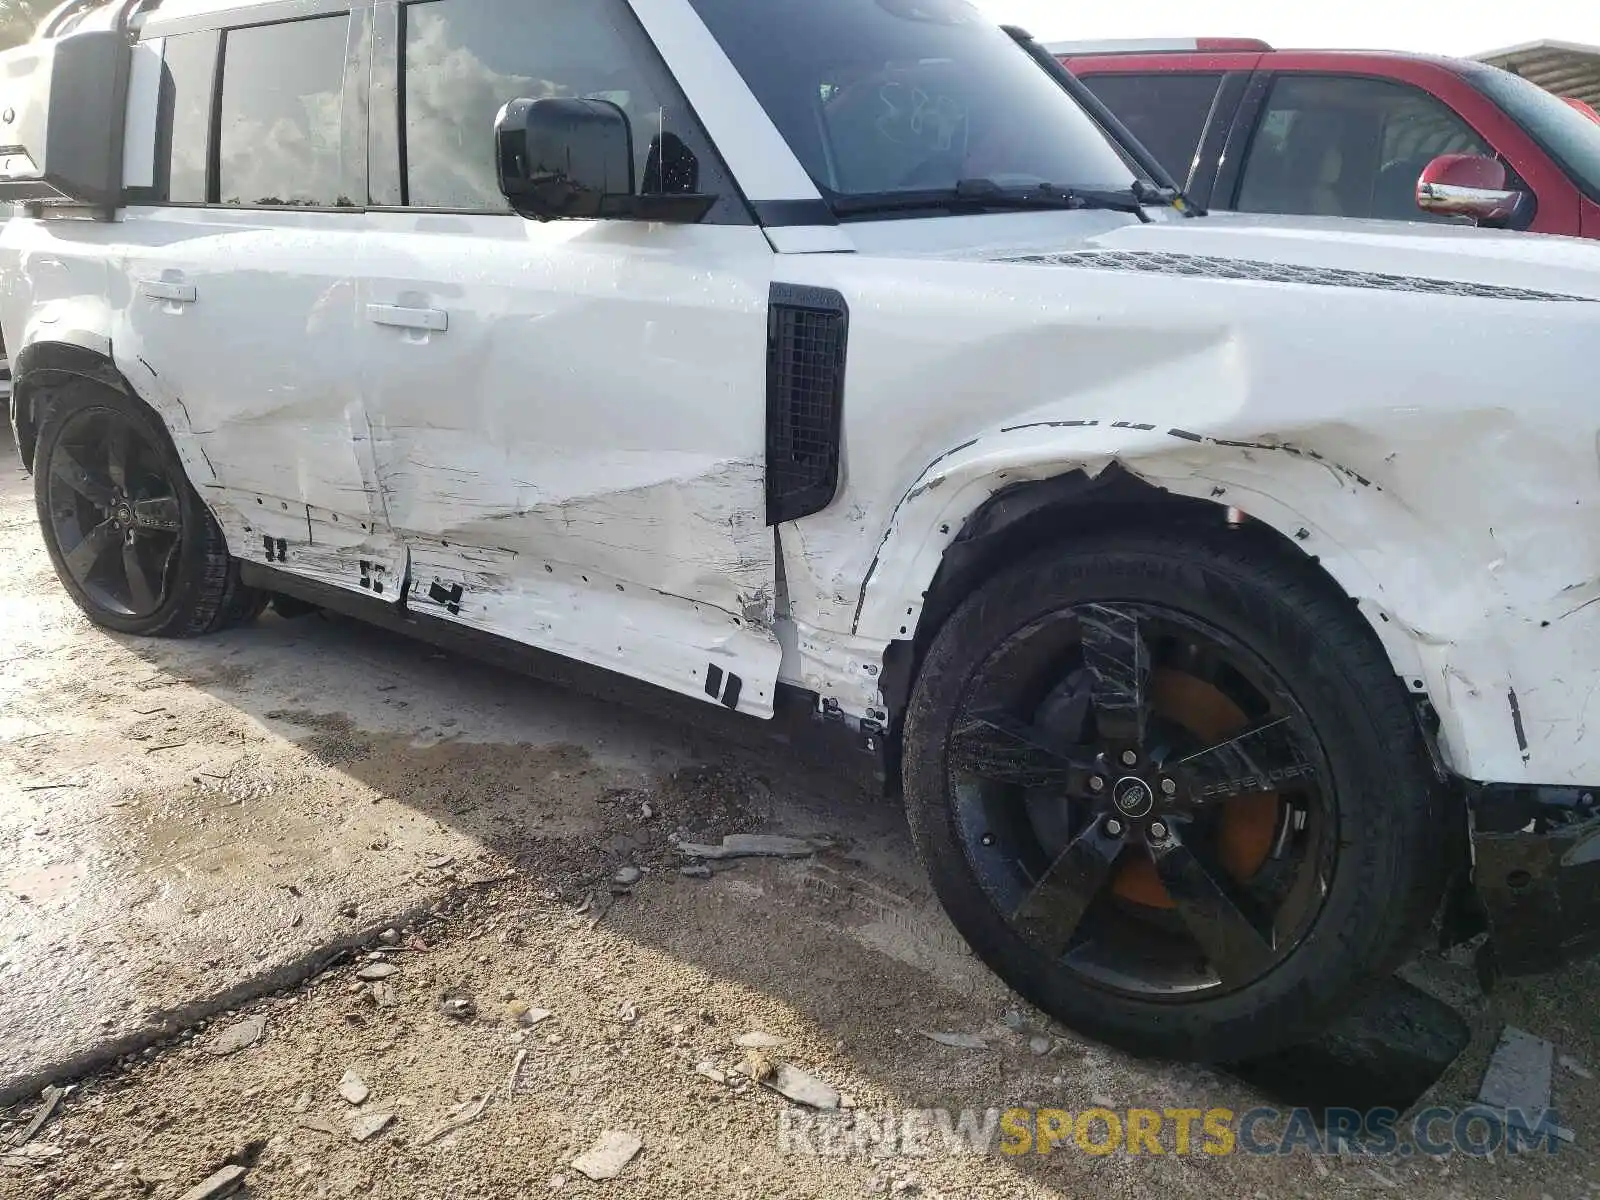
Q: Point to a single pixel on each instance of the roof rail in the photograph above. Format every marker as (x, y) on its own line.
(74, 14)
(58, 15)
(1215, 45)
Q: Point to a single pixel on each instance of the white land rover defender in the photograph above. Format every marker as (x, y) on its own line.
(1220, 592)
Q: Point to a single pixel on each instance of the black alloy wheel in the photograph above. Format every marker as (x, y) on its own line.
(131, 542)
(114, 512)
(1169, 788)
(1143, 799)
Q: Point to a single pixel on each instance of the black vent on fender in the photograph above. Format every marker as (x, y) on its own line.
(806, 333)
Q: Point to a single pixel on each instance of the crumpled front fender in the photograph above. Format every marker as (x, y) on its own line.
(1501, 646)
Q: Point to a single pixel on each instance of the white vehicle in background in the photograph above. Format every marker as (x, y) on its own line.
(1219, 591)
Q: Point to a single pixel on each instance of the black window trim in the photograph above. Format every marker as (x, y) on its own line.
(352, 108)
(1213, 147)
(388, 71)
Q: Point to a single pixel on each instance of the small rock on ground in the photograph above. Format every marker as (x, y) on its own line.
(791, 1082)
(756, 1040)
(525, 1015)
(353, 1088)
(369, 1125)
(239, 1036)
(218, 1184)
(612, 1151)
(1519, 1072)
(376, 971)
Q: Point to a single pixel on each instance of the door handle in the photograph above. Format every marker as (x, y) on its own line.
(433, 319)
(165, 289)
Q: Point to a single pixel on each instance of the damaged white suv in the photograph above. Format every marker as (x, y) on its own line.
(1221, 592)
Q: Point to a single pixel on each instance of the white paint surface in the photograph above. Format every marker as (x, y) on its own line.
(572, 430)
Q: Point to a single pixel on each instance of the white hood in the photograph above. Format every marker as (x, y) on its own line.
(1406, 250)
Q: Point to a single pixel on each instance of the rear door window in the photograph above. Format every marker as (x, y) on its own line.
(1167, 111)
(1348, 146)
(282, 90)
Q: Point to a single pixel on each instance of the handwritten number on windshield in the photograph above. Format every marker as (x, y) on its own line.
(913, 117)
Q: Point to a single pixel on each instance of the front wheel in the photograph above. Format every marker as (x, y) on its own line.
(1172, 793)
(131, 541)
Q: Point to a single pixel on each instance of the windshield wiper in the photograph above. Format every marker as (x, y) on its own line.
(1165, 186)
(986, 195)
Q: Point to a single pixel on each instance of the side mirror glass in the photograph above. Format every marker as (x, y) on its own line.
(1469, 185)
(566, 159)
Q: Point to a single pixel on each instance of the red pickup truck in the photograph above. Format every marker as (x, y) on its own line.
(1352, 133)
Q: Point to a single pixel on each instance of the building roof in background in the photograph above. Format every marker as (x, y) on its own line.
(1569, 69)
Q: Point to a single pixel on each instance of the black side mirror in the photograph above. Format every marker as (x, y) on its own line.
(562, 159)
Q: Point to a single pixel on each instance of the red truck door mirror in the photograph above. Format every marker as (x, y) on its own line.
(1469, 185)
(1586, 109)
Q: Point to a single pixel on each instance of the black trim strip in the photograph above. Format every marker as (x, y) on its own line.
(786, 214)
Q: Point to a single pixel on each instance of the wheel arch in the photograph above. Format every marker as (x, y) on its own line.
(980, 507)
(43, 367)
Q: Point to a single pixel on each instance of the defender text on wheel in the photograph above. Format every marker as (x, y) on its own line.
(1220, 590)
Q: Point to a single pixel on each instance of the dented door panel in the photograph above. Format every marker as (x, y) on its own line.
(263, 363)
(571, 444)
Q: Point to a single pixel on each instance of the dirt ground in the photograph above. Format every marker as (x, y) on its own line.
(209, 844)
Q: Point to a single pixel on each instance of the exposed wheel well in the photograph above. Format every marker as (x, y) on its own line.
(38, 374)
(1019, 519)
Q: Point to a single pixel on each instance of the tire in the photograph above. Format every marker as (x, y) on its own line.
(189, 584)
(1363, 776)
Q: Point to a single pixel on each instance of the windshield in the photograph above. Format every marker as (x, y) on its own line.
(884, 96)
(1566, 134)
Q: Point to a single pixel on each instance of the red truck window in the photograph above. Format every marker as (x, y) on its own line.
(1560, 128)
(1347, 146)
(1167, 112)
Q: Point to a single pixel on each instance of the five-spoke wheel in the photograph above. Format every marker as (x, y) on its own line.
(1154, 816)
(1171, 790)
(131, 542)
(113, 511)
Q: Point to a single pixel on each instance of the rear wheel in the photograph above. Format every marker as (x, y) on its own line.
(131, 541)
(1172, 792)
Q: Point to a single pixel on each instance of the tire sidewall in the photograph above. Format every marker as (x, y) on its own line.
(1349, 940)
(189, 571)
